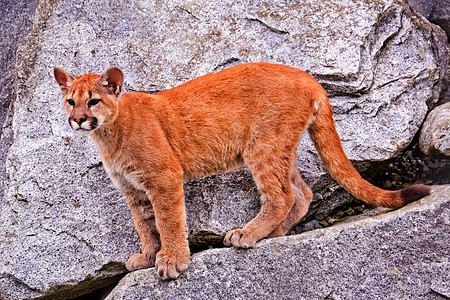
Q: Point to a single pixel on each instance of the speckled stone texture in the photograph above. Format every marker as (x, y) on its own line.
(435, 134)
(15, 23)
(64, 228)
(436, 11)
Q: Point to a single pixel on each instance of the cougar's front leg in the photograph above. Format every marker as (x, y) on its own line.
(144, 221)
(167, 197)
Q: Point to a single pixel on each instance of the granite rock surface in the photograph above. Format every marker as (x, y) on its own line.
(435, 134)
(65, 230)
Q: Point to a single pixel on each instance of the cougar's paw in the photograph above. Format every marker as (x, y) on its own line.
(170, 266)
(239, 239)
(139, 261)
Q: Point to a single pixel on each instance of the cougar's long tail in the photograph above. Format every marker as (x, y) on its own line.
(328, 144)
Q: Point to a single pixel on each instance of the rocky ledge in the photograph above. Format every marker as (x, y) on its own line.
(399, 254)
(402, 254)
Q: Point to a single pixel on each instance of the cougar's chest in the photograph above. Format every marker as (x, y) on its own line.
(123, 174)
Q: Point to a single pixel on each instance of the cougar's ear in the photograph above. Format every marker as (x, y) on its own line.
(64, 79)
(112, 79)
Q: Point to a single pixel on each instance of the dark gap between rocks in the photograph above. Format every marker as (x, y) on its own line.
(196, 244)
(412, 167)
(205, 240)
(408, 167)
(101, 293)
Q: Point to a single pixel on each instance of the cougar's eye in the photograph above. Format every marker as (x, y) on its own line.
(71, 102)
(93, 102)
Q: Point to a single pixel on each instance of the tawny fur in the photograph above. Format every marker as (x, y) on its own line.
(251, 113)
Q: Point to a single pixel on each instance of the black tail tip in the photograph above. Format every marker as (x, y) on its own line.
(414, 192)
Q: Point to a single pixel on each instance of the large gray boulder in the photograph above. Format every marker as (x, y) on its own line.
(64, 229)
(403, 254)
(435, 134)
(436, 11)
(15, 23)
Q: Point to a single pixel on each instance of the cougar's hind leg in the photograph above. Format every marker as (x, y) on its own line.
(271, 172)
(303, 196)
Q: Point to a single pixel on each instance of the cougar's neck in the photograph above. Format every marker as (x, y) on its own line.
(107, 139)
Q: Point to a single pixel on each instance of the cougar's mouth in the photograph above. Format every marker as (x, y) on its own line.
(83, 126)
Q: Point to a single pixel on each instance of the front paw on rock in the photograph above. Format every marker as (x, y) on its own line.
(139, 261)
(239, 239)
(170, 266)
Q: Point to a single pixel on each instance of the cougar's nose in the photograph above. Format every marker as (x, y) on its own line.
(79, 120)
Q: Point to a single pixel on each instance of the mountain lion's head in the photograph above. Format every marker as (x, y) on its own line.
(90, 100)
